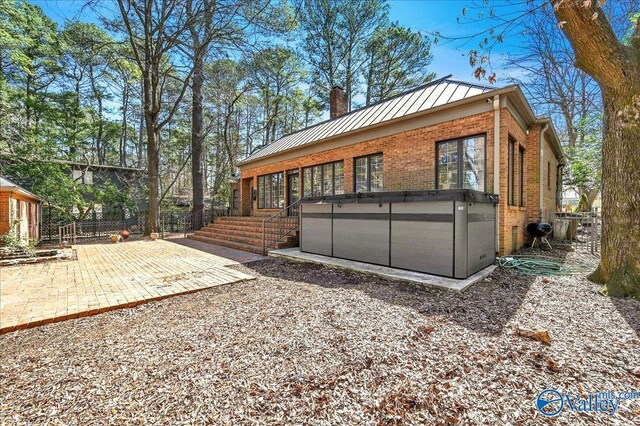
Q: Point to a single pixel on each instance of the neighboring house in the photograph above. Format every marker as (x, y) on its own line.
(20, 211)
(438, 136)
(101, 174)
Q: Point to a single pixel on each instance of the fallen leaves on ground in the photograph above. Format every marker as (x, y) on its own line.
(306, 344)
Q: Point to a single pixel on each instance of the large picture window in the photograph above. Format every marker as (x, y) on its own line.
(368, 173)
(271, 191)
(461, 163)
(323, 179)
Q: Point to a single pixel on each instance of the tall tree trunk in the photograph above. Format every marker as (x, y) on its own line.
(124, 133)
(153, 165)
(141, 131)
(197, 135)
(100, 149)
(616, 68)
(620, 258)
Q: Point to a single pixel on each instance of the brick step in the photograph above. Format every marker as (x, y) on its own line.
(244, 232)
(241, 218)
(252, 239)
(233, 244)
(243, 226)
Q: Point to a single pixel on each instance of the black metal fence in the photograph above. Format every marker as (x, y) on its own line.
(100, 226)
(96, 226)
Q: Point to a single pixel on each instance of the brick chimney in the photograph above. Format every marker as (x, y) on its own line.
(337, 102)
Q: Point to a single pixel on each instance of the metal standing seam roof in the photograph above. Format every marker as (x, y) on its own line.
(431, 95)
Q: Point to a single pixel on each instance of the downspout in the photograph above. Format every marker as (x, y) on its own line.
(541, 189)
(496, 162)
(559, 171)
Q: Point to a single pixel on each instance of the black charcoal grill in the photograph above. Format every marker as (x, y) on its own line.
(539, 230)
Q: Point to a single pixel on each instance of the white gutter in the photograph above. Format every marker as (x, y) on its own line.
(496, 160)
(542, 143)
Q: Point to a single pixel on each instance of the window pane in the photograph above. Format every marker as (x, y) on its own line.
(376, 172)
(267, 192)
(361, 174)
(280, 190)
(317, 181)
(274, 191)
(327, 179)
(512, 174)
(339, 177)
(88, 178)
(448, 165)
(521, 180)
(473, 170)
(306, 181)
(261, 192)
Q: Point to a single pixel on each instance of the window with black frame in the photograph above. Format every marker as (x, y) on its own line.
(461, 163)
(271, 191)
(511, 196)
(323, 179)
(368, 173)
(521, 178)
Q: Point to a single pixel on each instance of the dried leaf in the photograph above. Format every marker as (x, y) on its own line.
(553, 366)
(539, 335)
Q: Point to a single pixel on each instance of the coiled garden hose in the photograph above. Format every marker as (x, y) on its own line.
(541, 265)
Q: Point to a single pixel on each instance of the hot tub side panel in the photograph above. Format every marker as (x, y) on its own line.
(422, 237)
(361, 232)
(315, 229)
(481, 236)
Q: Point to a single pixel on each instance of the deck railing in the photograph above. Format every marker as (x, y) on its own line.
(279, 225)
(185, 222)
(67, 233)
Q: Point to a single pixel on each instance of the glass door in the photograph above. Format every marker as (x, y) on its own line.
(293, 189)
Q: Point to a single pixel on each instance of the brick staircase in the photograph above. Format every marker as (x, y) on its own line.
(242, 233)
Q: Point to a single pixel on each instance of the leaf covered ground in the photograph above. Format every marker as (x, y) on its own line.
(306, 344)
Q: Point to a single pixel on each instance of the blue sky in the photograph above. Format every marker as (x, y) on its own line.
(423, 15)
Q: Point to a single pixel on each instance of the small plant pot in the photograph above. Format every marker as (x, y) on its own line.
(124, 234)
(115, 238)
(154, 236)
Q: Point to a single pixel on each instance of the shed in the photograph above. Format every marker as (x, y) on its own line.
(20, 211)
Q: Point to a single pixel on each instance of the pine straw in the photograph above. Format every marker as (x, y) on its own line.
(305, 344)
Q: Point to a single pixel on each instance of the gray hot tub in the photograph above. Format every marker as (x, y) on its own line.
(449, 233)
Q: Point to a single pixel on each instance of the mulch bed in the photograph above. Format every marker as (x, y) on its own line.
(308, 344)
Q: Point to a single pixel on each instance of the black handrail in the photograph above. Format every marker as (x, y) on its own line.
(279, 225)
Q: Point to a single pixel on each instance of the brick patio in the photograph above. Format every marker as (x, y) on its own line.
(106, 277)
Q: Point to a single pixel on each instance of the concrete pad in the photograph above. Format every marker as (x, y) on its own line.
(424, 280)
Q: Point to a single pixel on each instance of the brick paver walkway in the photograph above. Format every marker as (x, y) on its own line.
(105, 277)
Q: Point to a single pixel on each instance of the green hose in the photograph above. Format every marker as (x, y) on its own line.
(541, 265)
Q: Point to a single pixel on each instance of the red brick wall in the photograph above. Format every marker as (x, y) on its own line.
(4, 212)
(409, 157)
(5, 226)
(409, 164)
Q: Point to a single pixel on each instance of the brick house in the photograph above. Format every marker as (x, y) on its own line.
(414, 141)
(20, 211)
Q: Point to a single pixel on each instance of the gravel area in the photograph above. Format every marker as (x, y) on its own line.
(307, 344)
